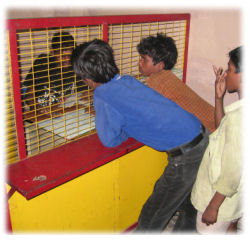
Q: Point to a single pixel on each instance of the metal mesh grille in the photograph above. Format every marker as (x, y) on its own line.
(56, 108)
(125, 37)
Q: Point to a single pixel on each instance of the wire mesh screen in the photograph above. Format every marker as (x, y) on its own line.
(56, 106)
(125, 37)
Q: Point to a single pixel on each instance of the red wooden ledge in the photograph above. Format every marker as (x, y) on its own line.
(38, 174)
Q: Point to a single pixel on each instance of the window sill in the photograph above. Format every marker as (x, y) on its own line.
(38, 174)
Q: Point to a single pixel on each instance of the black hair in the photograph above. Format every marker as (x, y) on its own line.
(63, 41)
(235, 56)
(94, 60)
(159, 48)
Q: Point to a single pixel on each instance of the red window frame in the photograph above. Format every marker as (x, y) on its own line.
(97, 153)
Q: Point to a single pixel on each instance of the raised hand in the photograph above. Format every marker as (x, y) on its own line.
(220, 82)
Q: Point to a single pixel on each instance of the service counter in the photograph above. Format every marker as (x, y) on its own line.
(83, 187)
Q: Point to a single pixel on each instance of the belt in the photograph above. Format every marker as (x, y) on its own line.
(180, 150)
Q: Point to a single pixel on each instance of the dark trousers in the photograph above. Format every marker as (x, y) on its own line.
(186, 221)
(172, 188)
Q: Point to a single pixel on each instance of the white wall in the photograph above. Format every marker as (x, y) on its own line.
(213, 33)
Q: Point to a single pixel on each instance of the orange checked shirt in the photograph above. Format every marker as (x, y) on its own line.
(167, 84)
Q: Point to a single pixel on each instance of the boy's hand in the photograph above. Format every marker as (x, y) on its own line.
(210, 215)
(220, 82)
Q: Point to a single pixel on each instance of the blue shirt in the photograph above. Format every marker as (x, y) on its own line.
(127, 108)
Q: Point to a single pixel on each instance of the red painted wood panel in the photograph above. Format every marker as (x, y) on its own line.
(91, 20)
(63, 164)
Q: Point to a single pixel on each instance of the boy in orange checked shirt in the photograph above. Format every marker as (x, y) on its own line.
(158, 55)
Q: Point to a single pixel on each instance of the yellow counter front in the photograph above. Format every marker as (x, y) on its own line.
(106, 199)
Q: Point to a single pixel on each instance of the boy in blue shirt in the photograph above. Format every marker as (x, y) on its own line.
(127, 108)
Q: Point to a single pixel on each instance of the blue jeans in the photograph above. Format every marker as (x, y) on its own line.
(172, 188)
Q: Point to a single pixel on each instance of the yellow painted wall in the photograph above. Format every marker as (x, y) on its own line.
(107, 199)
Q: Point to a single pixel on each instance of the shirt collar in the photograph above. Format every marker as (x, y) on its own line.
(233, 106)
(116, 77)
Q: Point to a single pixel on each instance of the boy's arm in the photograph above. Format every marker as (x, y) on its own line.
(29, 98)
(210, 214)
(220, 90)
(109, 124)
(219, 112)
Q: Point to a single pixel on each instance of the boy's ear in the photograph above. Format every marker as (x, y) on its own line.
(91, 83)
(51, 52)
(240, 77)
(161, 65)
(54, 52)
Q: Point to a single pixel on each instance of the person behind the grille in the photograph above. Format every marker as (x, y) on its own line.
(158, 56)
(217, 192)
(51, 79)
(127, 108)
